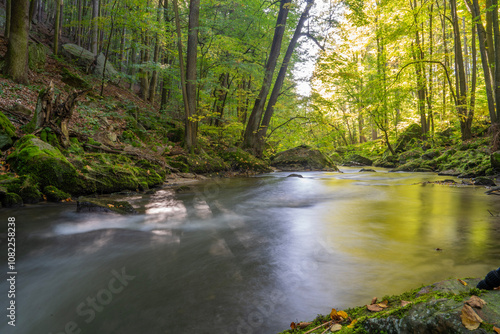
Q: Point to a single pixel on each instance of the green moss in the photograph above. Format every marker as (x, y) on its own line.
(87, 204)
(44, 163)
(74, 80)
(7, 132)
(29, 191)
(11, 200)
(55, 195)
(36, 56)
(241, 160)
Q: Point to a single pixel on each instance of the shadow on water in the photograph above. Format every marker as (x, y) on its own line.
(245, 255)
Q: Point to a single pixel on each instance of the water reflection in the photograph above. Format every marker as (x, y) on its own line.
(250, 255)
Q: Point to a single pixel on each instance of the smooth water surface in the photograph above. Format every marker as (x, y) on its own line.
(245, 255)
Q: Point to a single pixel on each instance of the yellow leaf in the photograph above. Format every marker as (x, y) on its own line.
(383, 304)
(470, 319)
(352, 324)
(342, 314)
(333, 314)
(374, 308)
(496, 329)
(404, 303)
(111, 205)
(461, 281)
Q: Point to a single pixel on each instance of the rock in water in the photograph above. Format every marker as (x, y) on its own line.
(87, 204)
(302, 158)
(296, 175)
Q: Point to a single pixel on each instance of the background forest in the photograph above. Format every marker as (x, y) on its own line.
(233, 71)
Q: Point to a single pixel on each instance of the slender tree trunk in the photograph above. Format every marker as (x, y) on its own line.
(250, 137)
(461, 89)
(488, 75)
(8, 16)
(95, 26)
(79, 24)
(57, 28)
(17, 49)
(281, 77)
(191, 76)
(496, 34)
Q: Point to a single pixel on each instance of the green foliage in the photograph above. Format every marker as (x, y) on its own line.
(55, 195)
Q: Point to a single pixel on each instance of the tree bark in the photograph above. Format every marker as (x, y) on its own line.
(17, 49)
(191, 59)
(250, 137)
(8, 15)
(95, 27)
(488, 75)
(281, 77)
(57, 27)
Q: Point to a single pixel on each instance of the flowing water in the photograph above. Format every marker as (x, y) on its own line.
(245, 255)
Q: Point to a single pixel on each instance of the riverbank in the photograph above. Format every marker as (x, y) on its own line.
(451, 306)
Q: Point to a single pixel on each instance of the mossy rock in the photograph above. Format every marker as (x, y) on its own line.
(357, 160)
(241, 160)
(11, 200)
(335, 157)
(108, 173)
(55, 195)
(410, 135)
(410, 155)
(302, 158)
(495, 160)
(7, 132)
(431, 154)
(74, 80)
(29, 191)
(50, 137)
(386, 161)
(44, 163)
(415, 165)
(205, 163)
(85, 59)
(87, 204)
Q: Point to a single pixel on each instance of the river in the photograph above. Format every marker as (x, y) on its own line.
(245, 255)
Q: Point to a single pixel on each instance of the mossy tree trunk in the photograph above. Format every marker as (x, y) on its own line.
(17, 50)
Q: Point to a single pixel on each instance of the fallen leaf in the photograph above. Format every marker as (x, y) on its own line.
(352, 324)
(461, 281)
(111, 205)
(302, 325)
(336, 328)
(470, 319)
(475, 301)
(384, 304)
(404, 303)
(496, 329)
(374, 300)
(333, 314)
(374, 308)
(293, 325)
(343, 314)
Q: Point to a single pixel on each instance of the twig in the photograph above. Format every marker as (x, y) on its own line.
(491, 213)
(326, 323)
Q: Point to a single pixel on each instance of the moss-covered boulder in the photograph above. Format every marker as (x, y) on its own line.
(107, 173)
(410, 135)
(10, 200)
(495, 160)
(302, 158)
(88, 204)
(386, 161)
(55, 195)
(85, 59)
(198, 163)
(44, 163)
(29, 191)
(436, 308)
(240, 160)
(37, 56)
(7, 132)
(357, 160)
(74, 80)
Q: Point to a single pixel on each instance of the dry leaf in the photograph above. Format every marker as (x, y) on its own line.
(333, 314)
(293, 325)
(374, 300)
(496, 329)
(302, 325)
(336, 328)
(342, 314)
(352, 324)
(384, 304)
(404, 303)
(111, 205)
(470, 319)
(374, 308)
(475, 301)
(461, 281)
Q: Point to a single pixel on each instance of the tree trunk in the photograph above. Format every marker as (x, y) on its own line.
(488, 77)
(250, 137)
(8, 15)
(461, 89)
(281, 78)
(17, 49)
(95, 27)
(496, 33)
(57, 28)
(191, 59)
(79, 24)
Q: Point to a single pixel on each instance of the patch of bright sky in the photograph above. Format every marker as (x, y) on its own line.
(307, 48)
